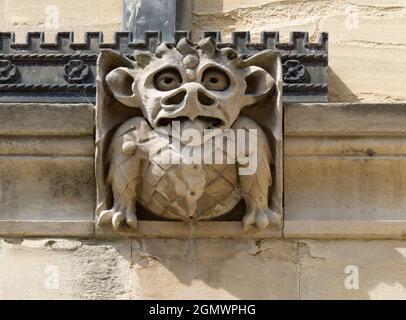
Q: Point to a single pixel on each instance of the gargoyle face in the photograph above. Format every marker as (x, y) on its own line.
(200, 86)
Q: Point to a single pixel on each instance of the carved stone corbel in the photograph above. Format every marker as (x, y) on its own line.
(155, 113)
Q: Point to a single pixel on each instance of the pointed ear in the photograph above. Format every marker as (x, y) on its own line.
(116, 73)
(263, 73)
(122, 84)
(259, 83)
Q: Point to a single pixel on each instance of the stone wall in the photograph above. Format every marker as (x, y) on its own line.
(342, 194)
(344, 186)
(80, 16)
(196, 269)
(367, 38)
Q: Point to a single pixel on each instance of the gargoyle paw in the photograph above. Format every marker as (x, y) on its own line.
(118, 218)
(261, 218)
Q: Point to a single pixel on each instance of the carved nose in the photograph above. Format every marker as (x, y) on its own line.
(204, 99)
(193, 95)
(174, 99)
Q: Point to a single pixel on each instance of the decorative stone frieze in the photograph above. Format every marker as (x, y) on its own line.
(8, 71)
(76, 71)
(43, 66)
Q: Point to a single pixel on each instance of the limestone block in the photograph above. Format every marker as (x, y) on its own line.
(46, 169)
(369, 73)
(78, 16)
(345, 189)
(345, 229)
(366, 46)
(46, 188)
(42, 119)
(216, 6)
(327, 270)
(64, 269)
(368, 32)
(179, 230)
(214, 269)
(344, 163)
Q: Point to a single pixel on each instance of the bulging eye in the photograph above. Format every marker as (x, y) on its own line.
(215, 79)
(167, 79)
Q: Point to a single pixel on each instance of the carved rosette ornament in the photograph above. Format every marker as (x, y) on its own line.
(76, 71)
(188, 133)
(294, 72)
(8, 71)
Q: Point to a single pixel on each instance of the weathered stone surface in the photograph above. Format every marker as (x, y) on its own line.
(345, 189)
(46, 188)
(145, 269)
(366, 38)
(344, 162)
(180, 230)
(380, 266)
(64, 269)
(337, 120)
(42, 119)
(214, 269)
(46, 168)
(78, 16)
(368, 72)
(201, 269)
(344, 229)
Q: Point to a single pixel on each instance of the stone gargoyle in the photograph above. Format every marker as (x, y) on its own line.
(197, 87)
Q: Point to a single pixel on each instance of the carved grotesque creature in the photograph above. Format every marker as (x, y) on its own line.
(185, 87)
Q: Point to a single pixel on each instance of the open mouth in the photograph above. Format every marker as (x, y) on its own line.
(210, 122)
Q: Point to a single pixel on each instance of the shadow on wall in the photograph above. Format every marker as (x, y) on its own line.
(214, 269)
(352, 269)
(249, 269)
(338, 91)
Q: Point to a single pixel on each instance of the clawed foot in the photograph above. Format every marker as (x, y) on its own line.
(261, 218)
(118, 218)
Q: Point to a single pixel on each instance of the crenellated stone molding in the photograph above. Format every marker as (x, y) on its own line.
(38, 67)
